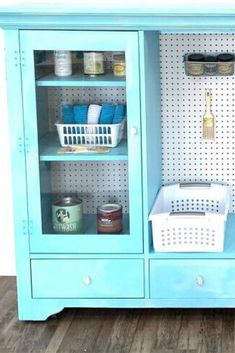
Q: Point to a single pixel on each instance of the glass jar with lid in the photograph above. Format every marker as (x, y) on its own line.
(195, 64)
(93, 63)
(225, 64)
(210, 66)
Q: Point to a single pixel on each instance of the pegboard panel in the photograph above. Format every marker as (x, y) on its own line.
(58, 96)
(186, 157)
(96, 183)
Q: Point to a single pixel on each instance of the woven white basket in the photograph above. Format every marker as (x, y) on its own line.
(90, 134)
(190, 218)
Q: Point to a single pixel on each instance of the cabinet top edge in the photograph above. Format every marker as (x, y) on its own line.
(71, 16)
(71, 9)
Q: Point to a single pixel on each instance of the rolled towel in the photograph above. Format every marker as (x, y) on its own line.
(120, 113)
(68, 114)
(107, 113)
(80, 113)
(93, 114)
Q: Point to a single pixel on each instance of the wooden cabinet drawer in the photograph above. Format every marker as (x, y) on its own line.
(71, 278)
(192, 279)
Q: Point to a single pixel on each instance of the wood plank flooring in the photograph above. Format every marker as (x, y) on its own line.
(115, 330)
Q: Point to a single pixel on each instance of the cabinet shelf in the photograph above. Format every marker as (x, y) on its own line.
(81, 80)
(49, 145)
(229, 247)
(89, 228)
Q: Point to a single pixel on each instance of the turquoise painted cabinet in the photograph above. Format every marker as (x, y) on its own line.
(92, 269)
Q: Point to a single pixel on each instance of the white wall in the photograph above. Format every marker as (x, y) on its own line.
(7, 258)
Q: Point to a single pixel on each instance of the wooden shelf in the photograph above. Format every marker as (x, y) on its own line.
(49, 145)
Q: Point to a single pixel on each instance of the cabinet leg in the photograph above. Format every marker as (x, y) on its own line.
(38, 310)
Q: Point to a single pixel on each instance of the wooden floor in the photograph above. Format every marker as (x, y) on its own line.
(115, 330)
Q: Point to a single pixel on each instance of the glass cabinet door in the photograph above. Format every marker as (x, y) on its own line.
(82, 141)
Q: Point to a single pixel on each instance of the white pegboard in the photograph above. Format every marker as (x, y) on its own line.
(186, 157)
(96, 183)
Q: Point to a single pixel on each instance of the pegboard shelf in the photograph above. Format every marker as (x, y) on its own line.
(80, 80)
(229, 247)
(49, 146)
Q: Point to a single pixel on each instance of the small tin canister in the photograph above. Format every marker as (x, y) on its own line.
(63, 63)
(67, 215)
(93, 63)
(109, 218)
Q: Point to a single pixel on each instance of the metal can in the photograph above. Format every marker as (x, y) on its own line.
(109, 218)
(63, 63)
(67, 215)
(93, 63)
(119, 65)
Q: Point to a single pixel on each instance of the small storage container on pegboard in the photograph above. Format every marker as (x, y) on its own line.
(190, 217)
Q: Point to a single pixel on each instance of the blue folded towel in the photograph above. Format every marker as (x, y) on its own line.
(68, 115)
(80, 113)
(119, 114)
(107, 113)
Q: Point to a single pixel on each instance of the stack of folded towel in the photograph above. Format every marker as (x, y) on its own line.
(94, 114)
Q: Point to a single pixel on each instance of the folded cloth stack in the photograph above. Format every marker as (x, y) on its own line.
(94, 113)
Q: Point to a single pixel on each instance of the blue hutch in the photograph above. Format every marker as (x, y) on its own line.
(161, 145)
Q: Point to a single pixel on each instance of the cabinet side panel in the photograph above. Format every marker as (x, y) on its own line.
(151, 131)
(151, 114)
(151, 117)
(15, 112)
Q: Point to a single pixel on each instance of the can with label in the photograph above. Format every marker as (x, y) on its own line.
(67, 215)
(63, 63)
(109, 218)
(93, 63)
(119, 65)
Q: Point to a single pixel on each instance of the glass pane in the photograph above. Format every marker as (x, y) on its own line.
(71, 192)
(64, 63)
(81, 111)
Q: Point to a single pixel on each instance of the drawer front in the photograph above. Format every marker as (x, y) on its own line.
(70, 278)
(192, 279)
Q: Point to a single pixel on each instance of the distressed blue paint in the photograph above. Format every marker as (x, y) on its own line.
(142, 18)
(108, 278)
(128, 42)
(125, 270)
(151, 128)
(179, 279)
(18, 170)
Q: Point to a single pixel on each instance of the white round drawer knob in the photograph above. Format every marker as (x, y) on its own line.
(134, 131)
(86, 280)
(200, 281)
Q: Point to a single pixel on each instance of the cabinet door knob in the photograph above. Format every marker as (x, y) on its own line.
(134, 131)
(86, 280)
(200, 281)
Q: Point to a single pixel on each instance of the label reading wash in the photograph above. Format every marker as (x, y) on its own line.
(67, 216)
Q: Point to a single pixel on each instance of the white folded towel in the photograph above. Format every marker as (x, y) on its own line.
(93, 114)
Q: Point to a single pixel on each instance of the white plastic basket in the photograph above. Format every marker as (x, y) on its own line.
(190, 217)
(90, 134)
